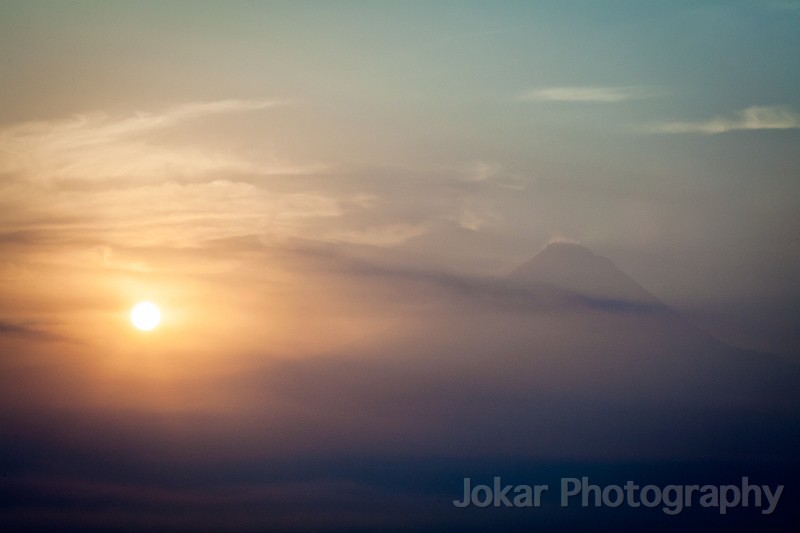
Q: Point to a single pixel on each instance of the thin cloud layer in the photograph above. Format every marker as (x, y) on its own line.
(96, 146)
(597, 94)
(752, 118)
(144, 179)
(170, 178)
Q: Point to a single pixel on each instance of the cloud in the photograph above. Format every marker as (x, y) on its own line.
(487, 293)
(98, 127)
(390, 235)
(173, 178)
(752, 118)
(97, 146)
(147, 179)
(608, 95)
(27, 331)
(481, 171)
(170, 213)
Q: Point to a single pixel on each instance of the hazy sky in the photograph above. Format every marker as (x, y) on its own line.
(321, 197)
(455, 135)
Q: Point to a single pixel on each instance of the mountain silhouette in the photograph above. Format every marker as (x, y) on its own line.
(574, 268)
(629, 328)
(566, 356)
(569, 321)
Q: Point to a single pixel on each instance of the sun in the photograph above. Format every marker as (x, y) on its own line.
(146, 316)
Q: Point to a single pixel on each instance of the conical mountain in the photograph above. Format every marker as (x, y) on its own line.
(627, 331)
(574, 268)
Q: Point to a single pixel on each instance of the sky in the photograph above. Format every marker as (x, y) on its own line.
(460, 136)
(289, 180)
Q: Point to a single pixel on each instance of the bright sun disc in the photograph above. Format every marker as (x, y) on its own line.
(145, 316)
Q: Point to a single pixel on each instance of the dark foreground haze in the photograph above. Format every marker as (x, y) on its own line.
(564, 368)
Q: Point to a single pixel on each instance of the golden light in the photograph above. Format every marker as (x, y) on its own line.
(146, 316)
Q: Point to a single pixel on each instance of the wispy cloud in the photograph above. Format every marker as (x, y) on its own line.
(607, 95)
(148, 179)
(170, 179)
(27, 331)
(171, 214)
(481, 171)
(97, 146)
(752, 118)
(385, 236)
(91, 128)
